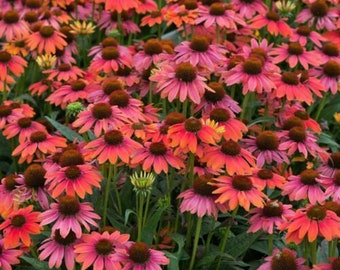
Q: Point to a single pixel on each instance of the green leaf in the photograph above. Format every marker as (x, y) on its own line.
(151, 226)
(262, 119)
(68, 133)
(36, 264)
(238, 245)
(179, 255)
(127, 214)
(327, 139)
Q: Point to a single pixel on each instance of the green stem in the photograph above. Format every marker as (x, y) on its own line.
(320, 107)
(332, 248)
(139, 207)
(313, 249)
(244, 106)
(270, 244)
(107, 193)
(189, 226)
(146, 208)
(226, 235)
(119, 203)
(191, 163)
(210, 235)
(197, 236)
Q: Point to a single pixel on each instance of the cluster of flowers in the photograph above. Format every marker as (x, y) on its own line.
(172, 109)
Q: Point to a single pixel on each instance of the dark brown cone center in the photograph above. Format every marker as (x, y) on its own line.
(139, 253)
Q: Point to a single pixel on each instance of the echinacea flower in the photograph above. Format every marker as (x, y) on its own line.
(302, 34)
(120, 5)
(252, 75)
(9, 194)
(137, 255)
(12, 27)
(273, 22)
(265, 147)
(295, 53)
(200, 200)
(331, 165)
(39, 143)
(11, 64)
(101, 117)
(236, 191)
(330, 51)
(19, 225)
(248, 8)
(82, 28)
(97, 250)
(333, 264)
(229, 156)
(73, 180)
(180, 81)
(267, 178)
(9, 256)
(112, 147)
(158, 156)
(233, 128)
(283, 259)
(189, 135)
(142, 183)
(69, 214)
(319, 14)
(332, 186)
(269, 217)
(309, 223)
(46, 40)
(64, 72)
(59, 250)
(329, 75)
(306, 185)
(200, 52)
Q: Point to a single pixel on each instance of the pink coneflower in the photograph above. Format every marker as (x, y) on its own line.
(142, 131)
(306, 185)
(120, 5)
(233, 128)
(295, 53)
(230, 156)
(297, 110)
(333, 264)
(46, 40)
(330, 51)
(64, 72)
(217, 99)
(273, 22)
(101, 117)
(19, 225)
(109, 21)
(200, 168)
(200, 200)
(131, 107)
(7, 111)
(331, 164)
(9, 256)
(289, 86)
(9, 194)
(102, 92)
(219, 14)
(180, 15)
(332, 186)
(266, 178)
(39, 143)
(59, 250)
(12, 27)
(311, 82)
(111, 147)
(269, 217)
(237, 190)
(283, 259)
(303, 34)
(73, 180)
(97, 250)
(32, 185)
(69, 215)
(251, 75)
(156, 17)
(151, 55)
(137, 255)
(68, 93)
(158, 156)
(265, 146)
(189, 135)
(298, 139)
(110, 59)
(43, 86)
(11, 64)
(318, 14)
(23, 126)
(145, 6)
(180, 81)
(248, 8)
(129, 77)
(329, 75)
(310, 222)
(200, 52)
